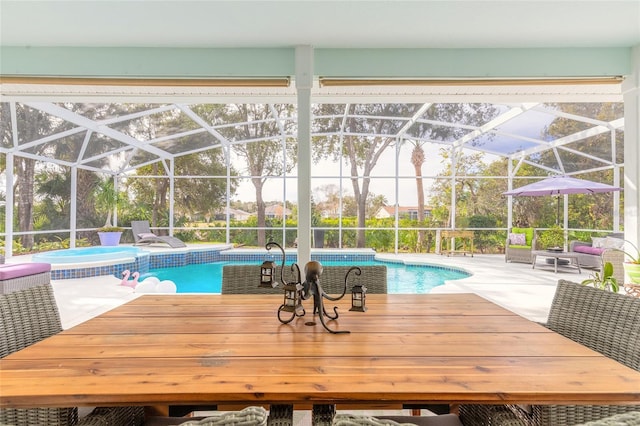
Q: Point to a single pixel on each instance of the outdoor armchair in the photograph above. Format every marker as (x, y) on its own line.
(606, 322)
(26, 317)
(519, 245)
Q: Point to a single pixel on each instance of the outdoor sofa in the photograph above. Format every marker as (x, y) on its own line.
(18, 276)
(594, 254)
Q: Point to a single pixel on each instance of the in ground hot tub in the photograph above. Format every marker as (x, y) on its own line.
(86, 254)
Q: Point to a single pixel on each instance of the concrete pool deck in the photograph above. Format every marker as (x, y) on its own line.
(515, 286)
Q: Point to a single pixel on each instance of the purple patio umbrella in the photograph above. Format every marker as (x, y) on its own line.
(561, 185)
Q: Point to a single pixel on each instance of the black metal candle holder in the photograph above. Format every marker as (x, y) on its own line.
(297, 291)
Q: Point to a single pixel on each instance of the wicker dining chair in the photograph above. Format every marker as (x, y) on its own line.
(26, 317)
(325, 415)
(631, 418)
(278, 415)
(606, 322)
(244, 279)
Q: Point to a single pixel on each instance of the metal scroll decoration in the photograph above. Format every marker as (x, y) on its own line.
(297, 291)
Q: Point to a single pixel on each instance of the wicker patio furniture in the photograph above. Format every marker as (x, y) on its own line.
(251, 416)
(325, 415)
(606, 322)
(26, 317)
(632, 418)
(520, 251)
(18, 276)
(244, 279)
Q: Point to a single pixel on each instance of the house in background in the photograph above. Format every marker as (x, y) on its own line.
(404, 212)
(277, 211)
(234, 214)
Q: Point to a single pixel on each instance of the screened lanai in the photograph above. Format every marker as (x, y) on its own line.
(116, 140)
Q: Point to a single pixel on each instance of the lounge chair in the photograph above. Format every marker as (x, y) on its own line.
(142, 235)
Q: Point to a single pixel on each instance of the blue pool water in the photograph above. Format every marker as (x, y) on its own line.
(402, 279)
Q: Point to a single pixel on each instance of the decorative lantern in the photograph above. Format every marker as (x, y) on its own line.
(358, 298)
(291, 301)
(267, 274)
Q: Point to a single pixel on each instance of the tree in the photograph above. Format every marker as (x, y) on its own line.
(467, 189)
(202, 196)
(465, 114)
(269, 155)
(587, 211)
(106, 198)
(363, 144)
(32, 125)
(54, 207)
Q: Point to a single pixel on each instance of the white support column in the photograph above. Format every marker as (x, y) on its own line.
(172, 193)
(116, 188)
(565, 221)
(73, 225)
(8, 214)
(304, 83)
(452, 209)
(616, 182)
(396, 203)
(631, 96)
(509, 197)
(227, 158)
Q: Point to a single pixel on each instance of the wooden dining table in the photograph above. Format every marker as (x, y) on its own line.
(160, 350)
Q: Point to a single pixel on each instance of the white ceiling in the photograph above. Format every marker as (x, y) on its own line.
(321, 24)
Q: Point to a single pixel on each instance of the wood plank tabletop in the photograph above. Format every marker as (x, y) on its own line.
(216, 349)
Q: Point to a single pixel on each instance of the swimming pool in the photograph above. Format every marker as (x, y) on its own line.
(86, 254)
(401, 278)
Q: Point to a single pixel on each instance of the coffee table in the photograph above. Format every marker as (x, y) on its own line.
(556, 255)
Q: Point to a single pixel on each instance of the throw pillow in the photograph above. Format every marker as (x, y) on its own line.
(589, 250)
(598, 242)
(146, 235)
(614, 243)
(517, 239)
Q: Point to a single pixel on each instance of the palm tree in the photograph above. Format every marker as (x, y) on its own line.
(417, 159)
(106, 198)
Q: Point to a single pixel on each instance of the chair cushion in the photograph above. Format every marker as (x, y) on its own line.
(250, 416)
(10, 271)
(354, 420)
